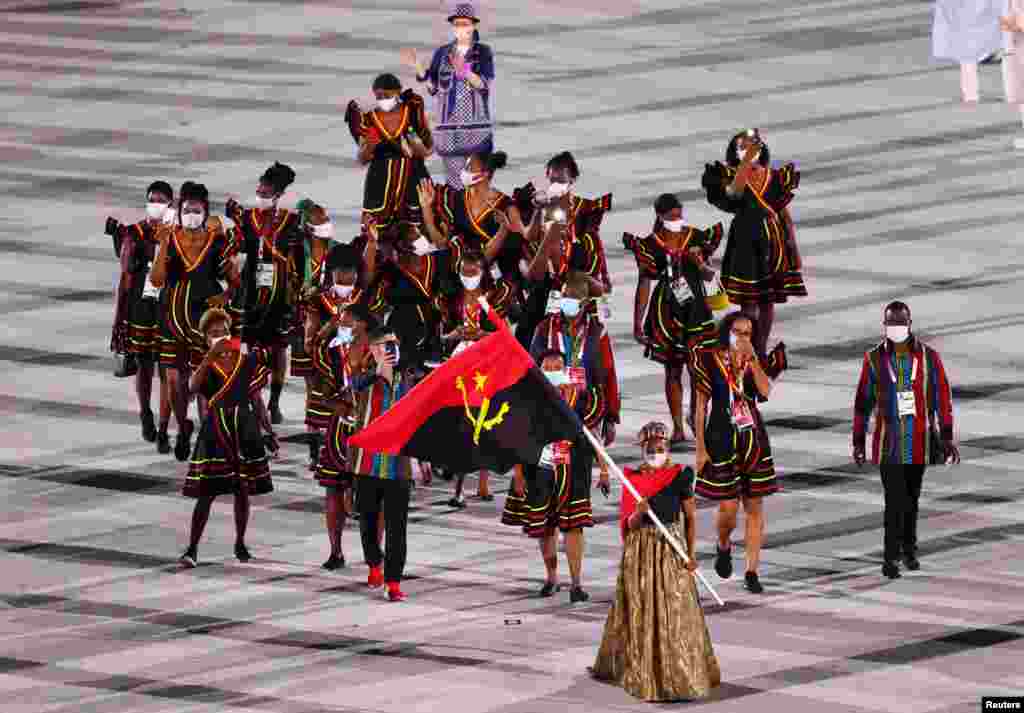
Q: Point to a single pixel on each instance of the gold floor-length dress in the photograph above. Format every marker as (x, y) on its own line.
(656, 644)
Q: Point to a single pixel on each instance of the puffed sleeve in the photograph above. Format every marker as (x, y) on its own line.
(784, 182)
(355, 120)
(710, 239)
(716, 177)
(646, 260)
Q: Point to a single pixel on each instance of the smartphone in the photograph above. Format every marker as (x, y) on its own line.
(391, 348)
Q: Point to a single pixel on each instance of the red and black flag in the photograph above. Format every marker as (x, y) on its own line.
(490, 408)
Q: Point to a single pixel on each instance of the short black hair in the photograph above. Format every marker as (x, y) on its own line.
(191, 191)
(160, 187)
(725, 327)
(549, 353)
(896, 306)
(278, 177)
(565, 160)
(379, 333)
(344, 257)
(732, 157)
(666, 202)
(493, 161)
(387, 83)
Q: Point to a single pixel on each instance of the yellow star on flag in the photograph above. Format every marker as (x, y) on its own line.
(480, 380)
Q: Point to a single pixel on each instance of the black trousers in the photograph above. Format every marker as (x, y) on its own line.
(902, 486)
(388, 498)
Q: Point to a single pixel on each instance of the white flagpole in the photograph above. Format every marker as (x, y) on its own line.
(599, 447)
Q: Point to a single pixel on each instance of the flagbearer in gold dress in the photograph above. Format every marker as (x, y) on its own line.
(656, 643)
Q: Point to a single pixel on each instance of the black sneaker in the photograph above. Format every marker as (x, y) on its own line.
(242, 553)
(459, 503)
(723, 563)
(752, 583)
(163, 443)
(576, 595)
(891, 570)
(911, 563)
(148, 426)
(183, 442)
(334, 562)
(549, 589)
(190, 558)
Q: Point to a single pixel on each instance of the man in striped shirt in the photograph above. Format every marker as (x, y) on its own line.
(383, 482)
(903, 383)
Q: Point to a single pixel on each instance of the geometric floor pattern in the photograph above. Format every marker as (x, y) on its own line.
(905, 194)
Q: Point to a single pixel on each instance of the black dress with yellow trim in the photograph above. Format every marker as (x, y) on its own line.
(186, 293)
(142, 301)
(405, 292)
(273, 244)
(336, 397)
(456, 312)
(301, 362)
(467, 231)
(761, 263)
(739, 459)
(229, 455)
(676, 318)
(318, 407)
(390, 193)
(558, 488)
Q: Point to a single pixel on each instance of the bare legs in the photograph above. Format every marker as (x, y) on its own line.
(201, 515)
(334, 517)
(573, 553)
(969, 82)
(727, 515)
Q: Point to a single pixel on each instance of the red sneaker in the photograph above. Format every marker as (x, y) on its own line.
(375, 579)
(395, 594)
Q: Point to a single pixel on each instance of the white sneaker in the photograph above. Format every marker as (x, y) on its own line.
(1019, 143)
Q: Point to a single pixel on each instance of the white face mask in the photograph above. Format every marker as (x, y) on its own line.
(570, 306)
(261, 203)
(673, 226)
(387, 104)
(557, 378)
(422, 246)
(344, 335)
(470, 283)
(655, 460)
(469, 178)
(463, 35)
(557, 190)
(156, 210)
(192, 221)
(342, 290)
(897, 333)
(324, 230)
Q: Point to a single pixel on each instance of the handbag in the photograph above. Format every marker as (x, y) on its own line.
(125, 365)
(716, 298)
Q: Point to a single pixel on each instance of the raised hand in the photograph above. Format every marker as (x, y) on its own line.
(407, 56)
(425, 190)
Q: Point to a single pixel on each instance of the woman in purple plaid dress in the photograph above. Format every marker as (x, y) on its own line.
(460, 78)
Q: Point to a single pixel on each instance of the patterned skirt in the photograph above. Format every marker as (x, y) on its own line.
(761, 263)
(229, 456)
(743, 469)
(144, 327)
(656, 643)
(332, 466)
(674, 329)
(555, 499)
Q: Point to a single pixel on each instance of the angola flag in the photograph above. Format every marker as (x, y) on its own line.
(490, 408)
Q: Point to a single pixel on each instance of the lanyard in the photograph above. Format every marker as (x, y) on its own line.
(574, 345)
(892, 373)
